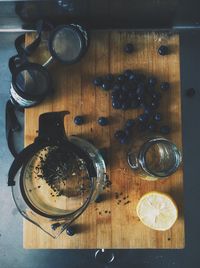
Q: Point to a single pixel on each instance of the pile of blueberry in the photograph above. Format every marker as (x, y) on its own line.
(132, 90)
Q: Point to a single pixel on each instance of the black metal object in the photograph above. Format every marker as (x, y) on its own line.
(120, 14)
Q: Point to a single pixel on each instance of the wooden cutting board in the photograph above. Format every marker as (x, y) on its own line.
(113, 224)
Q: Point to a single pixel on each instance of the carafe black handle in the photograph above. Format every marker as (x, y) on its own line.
(12, 125)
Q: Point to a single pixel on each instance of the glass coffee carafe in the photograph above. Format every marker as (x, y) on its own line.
(55, 179)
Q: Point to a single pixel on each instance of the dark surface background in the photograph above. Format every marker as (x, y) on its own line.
(12, 255)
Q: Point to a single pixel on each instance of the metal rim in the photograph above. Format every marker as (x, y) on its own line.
(26, 67)
(81, 39)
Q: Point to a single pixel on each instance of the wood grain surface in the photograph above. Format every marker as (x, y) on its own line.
(111, 224)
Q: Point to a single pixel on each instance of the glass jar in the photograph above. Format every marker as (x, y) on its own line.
(154, 158)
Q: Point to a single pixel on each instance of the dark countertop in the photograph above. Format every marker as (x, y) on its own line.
(12, 255)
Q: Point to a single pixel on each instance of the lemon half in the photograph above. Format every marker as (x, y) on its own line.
(157, 211)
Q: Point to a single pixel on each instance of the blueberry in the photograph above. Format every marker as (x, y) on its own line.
(134, 104)
(99, 199)
(156, 95)
(54, 226)
(147, 109)
(164, 86)
(106, 85)
(98, 81)
(125, 105)
(157, 117)
(132, 85)
(163, 50)
(115, 94)
(70, 231)
(116, 104)
(116, 86)
(130, 123)
(190, 92)
(124, 140)
(129, 48)
(165, 129)
(134, 78)
(132, 94)
(152, 81)
(151, 127)
(79, 120)
(119, 134)
(121, 78)
(155, 104)
(141, 99)
(142, 105)
(103, 121)
(128, 73)
(140, 89)
(110, 78)
(143, 118)
(125, 87)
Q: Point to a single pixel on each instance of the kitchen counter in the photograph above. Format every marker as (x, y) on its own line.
(12, 255)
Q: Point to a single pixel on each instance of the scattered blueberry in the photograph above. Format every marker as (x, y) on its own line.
(103, 121)
(133, 77)
(165, 129)
(106, 85)
(141, 100)
(70, 231)
(119, 134)
(99, 199)
(98, 81)
(128, 73)
(151, 127)
(134, 104)
(116, 104)
(147, 109)
(54, 226)
(156, 95)
(115, 94)
(124, 140)
(110, 78)
(122, 96)
(143, 118)
(157, 117)
(79, 120)
(140, 89)
(190, 92)
(125, 87)
(116, 86)
(152, 81)
(163, 50)
(125, 105)
(132, 94)
(129, 48)
(164, 86)
(121, 78)
(155, 104)
(130, 123)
